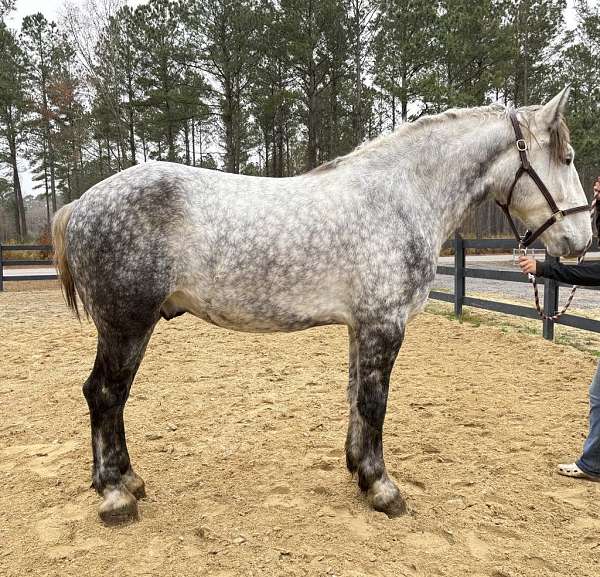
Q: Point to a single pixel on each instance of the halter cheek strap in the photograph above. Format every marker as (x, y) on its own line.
(557, 215)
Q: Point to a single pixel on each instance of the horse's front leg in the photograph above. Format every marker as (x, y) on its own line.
(373, 350)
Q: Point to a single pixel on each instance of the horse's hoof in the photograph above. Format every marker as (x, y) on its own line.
(135, 484)
(384, 496)
(119, 506)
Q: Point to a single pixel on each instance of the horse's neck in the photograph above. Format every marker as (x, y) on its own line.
(452, 168)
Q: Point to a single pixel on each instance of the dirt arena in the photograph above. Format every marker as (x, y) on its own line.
(240, 440)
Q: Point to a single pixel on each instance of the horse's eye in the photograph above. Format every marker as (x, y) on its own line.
(568, 161)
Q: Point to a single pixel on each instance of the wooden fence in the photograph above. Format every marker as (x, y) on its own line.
(4, 248)
(461, 272)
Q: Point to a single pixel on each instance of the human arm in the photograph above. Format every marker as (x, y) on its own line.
(583, 274)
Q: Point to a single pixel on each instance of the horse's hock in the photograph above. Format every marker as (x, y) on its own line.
(240, 438)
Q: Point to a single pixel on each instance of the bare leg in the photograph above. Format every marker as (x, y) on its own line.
(117, 360)
(376, 348)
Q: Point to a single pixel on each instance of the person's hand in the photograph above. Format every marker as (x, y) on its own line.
(528, 265)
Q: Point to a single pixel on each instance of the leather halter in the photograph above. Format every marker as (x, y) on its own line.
(557, 215)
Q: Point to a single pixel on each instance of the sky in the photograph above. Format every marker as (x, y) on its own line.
(51, 9)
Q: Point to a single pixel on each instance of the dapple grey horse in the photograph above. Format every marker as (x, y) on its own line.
(354, 242)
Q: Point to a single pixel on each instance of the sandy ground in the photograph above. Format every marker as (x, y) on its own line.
(240, 440)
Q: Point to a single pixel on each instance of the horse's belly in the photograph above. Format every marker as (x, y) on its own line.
(256, 316)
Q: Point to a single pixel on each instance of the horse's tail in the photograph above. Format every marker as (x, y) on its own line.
(59, 231)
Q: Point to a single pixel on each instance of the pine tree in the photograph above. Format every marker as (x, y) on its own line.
(12, 108)
(223, 37)
(406, 51)
(159, 42)
(535, 27)
(362, 26)
(41, 43)
(474, 42)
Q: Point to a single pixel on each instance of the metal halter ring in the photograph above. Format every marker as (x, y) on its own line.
(558, 216)
(522, 145)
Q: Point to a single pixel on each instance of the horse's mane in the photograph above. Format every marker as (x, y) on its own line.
(411, 129)
(559, 135)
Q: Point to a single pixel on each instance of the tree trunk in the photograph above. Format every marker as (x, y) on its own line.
(144, 147)
(47, 190)
(404, 98)
(186, 134)
(132, 148)
(46, 119)
(228, 120)
(357, 128)
(52, 170)
(266, 141)
(193, 142)
(311, 148)
(288, 155)
(69, 189)
(20, 219)
(200, 141)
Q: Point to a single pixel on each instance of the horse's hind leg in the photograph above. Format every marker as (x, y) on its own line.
(353, 449)
(374, 352)
(106, 390)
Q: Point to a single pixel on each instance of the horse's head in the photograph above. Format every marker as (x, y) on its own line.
(547, 149)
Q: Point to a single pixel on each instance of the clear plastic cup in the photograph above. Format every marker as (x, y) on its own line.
(535, 253)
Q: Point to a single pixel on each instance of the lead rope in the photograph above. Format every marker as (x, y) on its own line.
(533, 280)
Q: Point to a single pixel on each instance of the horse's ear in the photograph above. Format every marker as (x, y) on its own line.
(551, 113)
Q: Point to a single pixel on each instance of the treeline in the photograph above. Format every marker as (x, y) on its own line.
(268, 87)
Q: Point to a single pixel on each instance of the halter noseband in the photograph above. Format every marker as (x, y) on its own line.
(557, 215)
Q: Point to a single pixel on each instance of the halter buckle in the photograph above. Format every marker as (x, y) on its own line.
(522, 145)
(558, 216)
(524, 240)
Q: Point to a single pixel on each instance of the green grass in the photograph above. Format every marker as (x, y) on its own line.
(584, 341)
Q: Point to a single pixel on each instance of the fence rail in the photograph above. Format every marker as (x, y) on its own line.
(459, 271)
(4, 248)
(459, 298)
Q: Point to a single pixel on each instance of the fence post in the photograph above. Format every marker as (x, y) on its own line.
(550, 302)
(1, 270)
(459, 275)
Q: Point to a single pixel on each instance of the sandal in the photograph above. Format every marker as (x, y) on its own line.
(573, 471)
